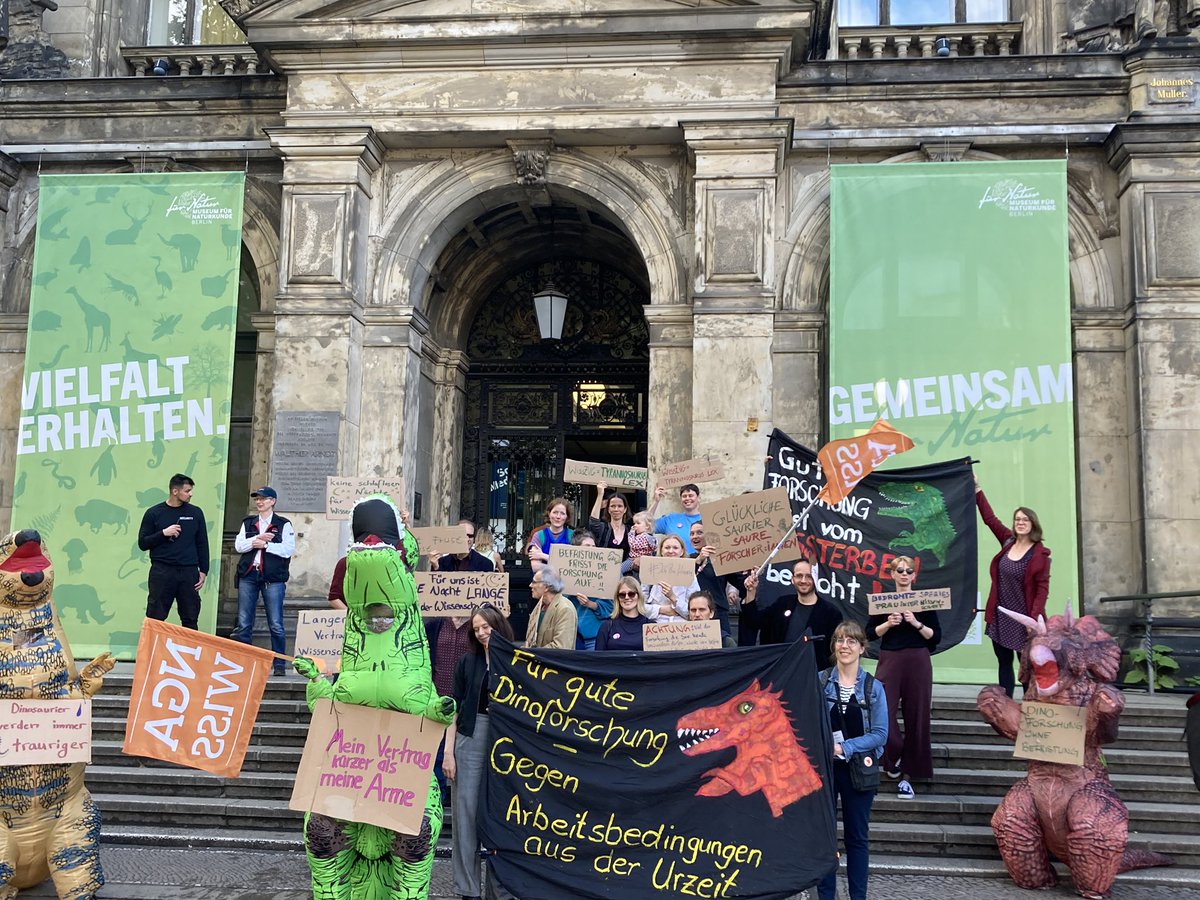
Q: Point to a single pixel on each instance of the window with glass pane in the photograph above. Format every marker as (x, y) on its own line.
(922, 12)
(184, 22)
(852, 13)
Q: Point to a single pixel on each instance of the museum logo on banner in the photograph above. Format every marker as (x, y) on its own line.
(1016, 198)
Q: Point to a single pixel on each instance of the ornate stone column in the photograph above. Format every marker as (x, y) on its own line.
(1158, 167)
(12, 344)
(319, 311)
(737, 166)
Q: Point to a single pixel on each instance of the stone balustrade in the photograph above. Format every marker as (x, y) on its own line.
(201, 59)
(892, 42)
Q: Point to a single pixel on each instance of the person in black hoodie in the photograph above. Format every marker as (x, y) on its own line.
(266, 542)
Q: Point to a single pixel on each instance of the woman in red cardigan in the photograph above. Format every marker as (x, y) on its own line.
(1020, 581)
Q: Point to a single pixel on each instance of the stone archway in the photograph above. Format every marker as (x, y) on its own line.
(436, 265)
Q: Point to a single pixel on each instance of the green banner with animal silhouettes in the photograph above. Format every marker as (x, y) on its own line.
(128, 368)
(950, 317)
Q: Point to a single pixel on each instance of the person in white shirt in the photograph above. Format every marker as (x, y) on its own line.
(266, 542)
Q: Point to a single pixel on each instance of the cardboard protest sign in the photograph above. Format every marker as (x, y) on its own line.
(606, 777)
(33, 732)
(743, 530)
(704, 635)
(342, 492)
(363, 764)
(847, 462)
(675, 571)
(319, 636)
(457, 593)
(1052, 732)
(591, 571)
(917, 601)
(690, 471)
(445, 539)
(194, 698)
(575, 472)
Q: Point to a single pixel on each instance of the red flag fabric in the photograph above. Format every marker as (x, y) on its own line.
(847, 462)
(194, 698)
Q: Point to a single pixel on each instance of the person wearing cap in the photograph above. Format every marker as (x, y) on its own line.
(175, 535)
(266, 542)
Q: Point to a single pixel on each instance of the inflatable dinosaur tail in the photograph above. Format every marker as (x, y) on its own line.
(1143, 859)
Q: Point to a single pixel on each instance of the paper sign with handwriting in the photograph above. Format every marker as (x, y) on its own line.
(1052, 732)
(363, 764)
(342, 492)
(591, 571)
(918, 601)
(743, 530)
(438, 540)
(675, 571)
(576, 472)
(690, 471)
(319, 634)
(33, 732)
(457, 593)
(704, 635)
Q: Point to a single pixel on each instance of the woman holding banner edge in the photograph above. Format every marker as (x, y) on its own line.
(1020, 582)
(906, 644)
(467, 746)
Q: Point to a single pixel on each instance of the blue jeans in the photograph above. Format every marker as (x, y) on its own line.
(249, 587)
(856, 822)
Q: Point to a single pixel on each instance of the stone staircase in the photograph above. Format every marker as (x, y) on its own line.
(147, 802)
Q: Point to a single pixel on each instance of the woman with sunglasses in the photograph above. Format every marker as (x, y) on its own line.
(1020, 582)
(858, 717)
(624, 630)
(467, 746)
(906, 644)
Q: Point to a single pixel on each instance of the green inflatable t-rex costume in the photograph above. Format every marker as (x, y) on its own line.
(385, 664)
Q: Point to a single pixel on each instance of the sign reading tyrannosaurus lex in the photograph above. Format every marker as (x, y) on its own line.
(702, 774)
(926, 512)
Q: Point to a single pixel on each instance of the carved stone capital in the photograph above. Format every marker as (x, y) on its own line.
(531, 159)
(239, 9)
(945, 151)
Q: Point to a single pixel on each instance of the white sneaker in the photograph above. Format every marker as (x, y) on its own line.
(905, 791)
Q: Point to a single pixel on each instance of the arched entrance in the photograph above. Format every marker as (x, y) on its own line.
(531, 403)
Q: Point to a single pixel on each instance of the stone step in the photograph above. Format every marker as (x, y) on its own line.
(978, 842)
(198, 813)
(175, 781)
(1132, 737)
(957, 702)
(259, 758)
(271, 709)
(1131, 788)
(1165, 761)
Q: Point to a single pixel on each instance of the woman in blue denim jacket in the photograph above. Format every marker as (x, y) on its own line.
(858, 726)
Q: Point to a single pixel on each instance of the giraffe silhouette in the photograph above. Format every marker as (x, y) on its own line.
(93, 317)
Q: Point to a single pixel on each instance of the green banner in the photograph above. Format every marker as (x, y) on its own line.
(950, 318)
(128, 367)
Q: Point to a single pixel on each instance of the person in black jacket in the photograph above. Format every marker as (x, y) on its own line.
(177, 538)
(467, 746)
(266, 542)
(793, 616)
(471, 561)
(906, 644)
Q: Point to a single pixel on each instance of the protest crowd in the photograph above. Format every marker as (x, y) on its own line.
(863, 711)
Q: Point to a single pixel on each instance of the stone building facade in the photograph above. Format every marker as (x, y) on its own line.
(415, 166)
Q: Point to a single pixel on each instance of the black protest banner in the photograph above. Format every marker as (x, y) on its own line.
(687, 774)
(926, 512)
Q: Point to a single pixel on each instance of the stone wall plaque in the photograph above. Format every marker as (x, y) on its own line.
(304, 455)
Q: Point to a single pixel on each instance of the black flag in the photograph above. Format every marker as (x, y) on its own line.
(926, 512)
(650, 775)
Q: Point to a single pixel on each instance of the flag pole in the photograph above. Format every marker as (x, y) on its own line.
(796, 520)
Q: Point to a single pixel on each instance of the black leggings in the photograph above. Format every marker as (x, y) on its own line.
(1008, 680)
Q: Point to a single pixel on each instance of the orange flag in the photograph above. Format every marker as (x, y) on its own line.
(847, 462)
(194, 698)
